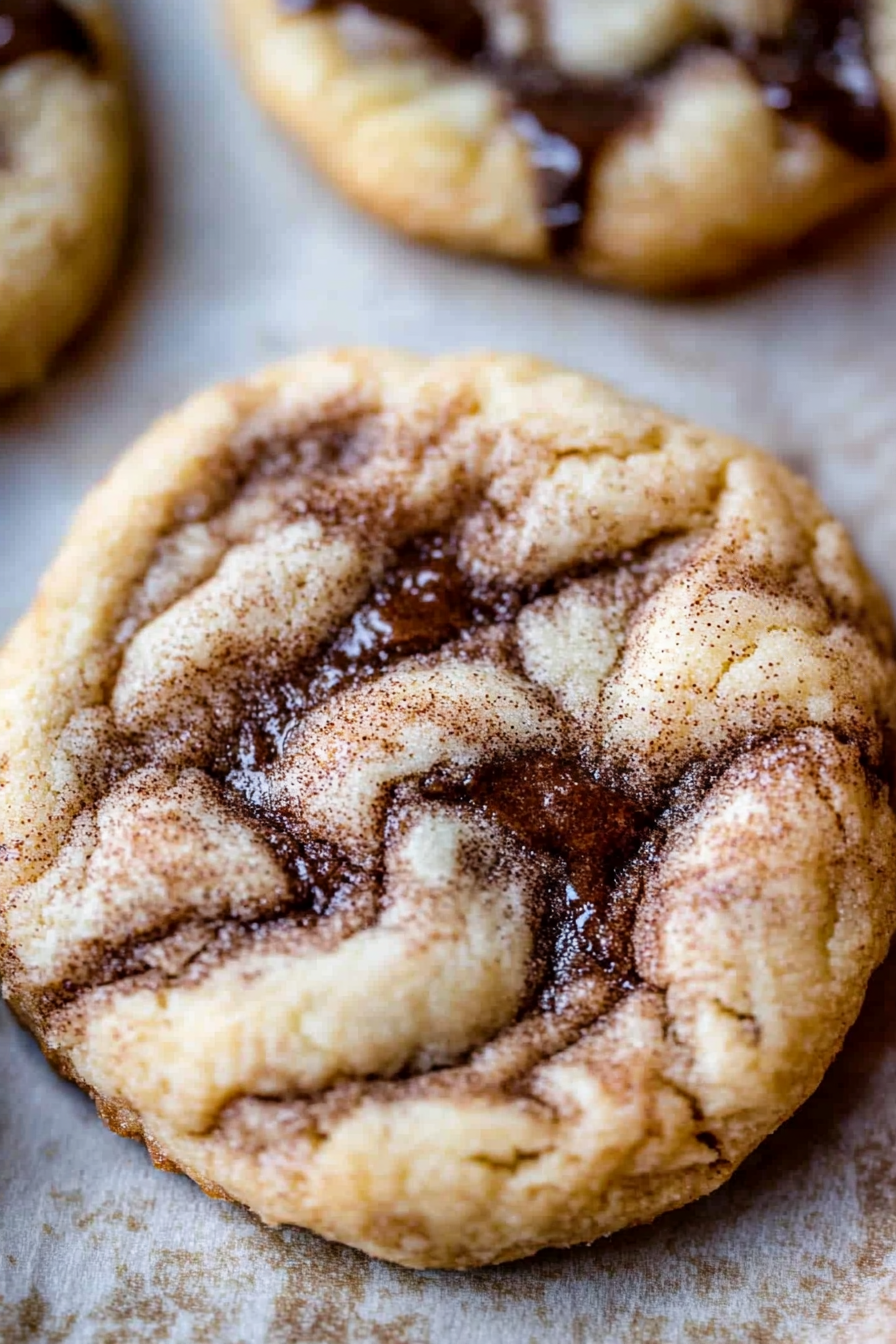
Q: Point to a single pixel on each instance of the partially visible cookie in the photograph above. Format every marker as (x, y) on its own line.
(444, 804)
(658, 144)
(63, 174)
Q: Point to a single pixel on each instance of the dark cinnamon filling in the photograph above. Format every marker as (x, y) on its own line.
(586, 830)
(820, 72)
(817, 72)
(424, 601)
(32, 27)
(582, 831)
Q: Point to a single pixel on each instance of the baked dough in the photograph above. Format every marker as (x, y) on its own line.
(63, 175)
(658, 144)
(444, 804)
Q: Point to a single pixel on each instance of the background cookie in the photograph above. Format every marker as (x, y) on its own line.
(63, 174)
(446, 805)
(660, 144)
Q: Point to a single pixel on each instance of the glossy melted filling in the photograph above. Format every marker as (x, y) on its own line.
(817, 72)
(580, 830)
(585, 831)
(31, 27)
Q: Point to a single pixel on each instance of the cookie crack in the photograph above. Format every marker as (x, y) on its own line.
(745, 1019)
(512, 1163)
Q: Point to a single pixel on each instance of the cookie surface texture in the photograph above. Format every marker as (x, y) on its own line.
(655, 144)
(63, 175)
(446, 805)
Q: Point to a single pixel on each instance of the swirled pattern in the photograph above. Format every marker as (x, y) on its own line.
(444, 804)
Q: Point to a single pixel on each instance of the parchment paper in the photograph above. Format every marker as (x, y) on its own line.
(242, 256)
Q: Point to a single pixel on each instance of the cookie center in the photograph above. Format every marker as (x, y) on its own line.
(406, 699)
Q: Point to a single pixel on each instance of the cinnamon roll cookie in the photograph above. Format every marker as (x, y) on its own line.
(446, 805)
(63, 174)
(660, 144)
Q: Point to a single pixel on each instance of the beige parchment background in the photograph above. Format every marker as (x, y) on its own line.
(242, 257)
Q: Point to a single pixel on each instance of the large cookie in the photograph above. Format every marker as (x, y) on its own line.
(662, 144)
(444, 804)
(63, 174)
